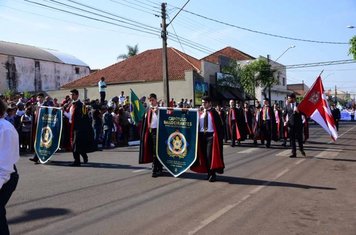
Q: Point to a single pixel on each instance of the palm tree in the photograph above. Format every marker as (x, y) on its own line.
(131, 51)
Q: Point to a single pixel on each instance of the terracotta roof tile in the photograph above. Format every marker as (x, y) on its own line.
(146, 66)
(228, 52)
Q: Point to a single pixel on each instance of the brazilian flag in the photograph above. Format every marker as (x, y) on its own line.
(137, 109)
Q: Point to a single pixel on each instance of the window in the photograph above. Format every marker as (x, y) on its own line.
(76, 70)
(284, 81)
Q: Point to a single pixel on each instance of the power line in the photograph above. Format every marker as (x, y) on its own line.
(124, 20)
(91, 18)
(317, 64)
(147, 10)
(150, 30)
(263, 33)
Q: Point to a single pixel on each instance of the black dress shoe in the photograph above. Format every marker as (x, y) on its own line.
(212, 178)
(293, 156)
(85, 160)
(303, 153)
(35, 160)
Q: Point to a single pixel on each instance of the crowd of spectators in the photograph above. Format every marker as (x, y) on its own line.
(111, 120)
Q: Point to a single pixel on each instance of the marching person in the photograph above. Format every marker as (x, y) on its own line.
(279, 124)
(293, 120)
(335, 111)
(40, 102)
(268, 122)
(148, 137)
(81, 136)
(9, 149)
(210, 142)
(233, 124)
(248, 117)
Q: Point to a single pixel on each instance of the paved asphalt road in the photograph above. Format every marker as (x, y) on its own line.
(262, 192)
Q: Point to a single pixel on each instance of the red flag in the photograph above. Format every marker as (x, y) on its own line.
(315, 106)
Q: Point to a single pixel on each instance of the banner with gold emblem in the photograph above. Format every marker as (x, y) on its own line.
(177, 138)
(48, 132)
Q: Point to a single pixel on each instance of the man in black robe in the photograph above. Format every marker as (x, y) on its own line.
(82, 134)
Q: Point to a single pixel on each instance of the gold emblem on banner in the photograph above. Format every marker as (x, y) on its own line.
(46, 137)
(177, 145)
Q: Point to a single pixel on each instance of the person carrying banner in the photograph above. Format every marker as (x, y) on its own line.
(293, 120)
(210, 142)
(9, 149)
(40, 102)
(82, 134)
(148, 137)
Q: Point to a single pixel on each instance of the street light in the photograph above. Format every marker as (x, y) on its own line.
(284, 52)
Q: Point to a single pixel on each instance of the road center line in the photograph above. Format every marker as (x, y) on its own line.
(227, 208)
(136, 171)
(256, 189)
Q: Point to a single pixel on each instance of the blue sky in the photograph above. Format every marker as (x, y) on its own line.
(98, 44)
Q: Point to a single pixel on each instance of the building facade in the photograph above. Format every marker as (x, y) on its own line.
(32, 69)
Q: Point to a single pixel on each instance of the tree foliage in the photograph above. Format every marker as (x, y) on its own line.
(231, 81)
(352, 49)
(249, 76)
(257, 73)
(131, 51)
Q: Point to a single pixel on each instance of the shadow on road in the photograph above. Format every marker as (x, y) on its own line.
(247, 181)
(96, 165)
(336, 159)
(39, 213)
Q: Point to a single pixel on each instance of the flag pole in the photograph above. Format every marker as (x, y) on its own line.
(321, 72)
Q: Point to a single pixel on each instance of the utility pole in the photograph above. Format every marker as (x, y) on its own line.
(164, 56)
(335, 95)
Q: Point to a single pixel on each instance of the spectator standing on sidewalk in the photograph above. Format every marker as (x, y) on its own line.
(102, 89)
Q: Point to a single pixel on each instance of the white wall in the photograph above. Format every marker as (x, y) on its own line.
(3, 73)
(53, 75)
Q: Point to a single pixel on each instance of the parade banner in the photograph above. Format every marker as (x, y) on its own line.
(48, 132)
(177, 138)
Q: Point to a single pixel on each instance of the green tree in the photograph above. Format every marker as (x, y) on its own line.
(257, 73)
(352, 49)
(234, 70)
(131, 51)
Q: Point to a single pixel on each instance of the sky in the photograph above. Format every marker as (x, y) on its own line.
(208, 26)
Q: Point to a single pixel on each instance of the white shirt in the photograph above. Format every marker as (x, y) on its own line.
(8, 156)
(100, 84)
(154, 120)
(201, 122)
(122, 99)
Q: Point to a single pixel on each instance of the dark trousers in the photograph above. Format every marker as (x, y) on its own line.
(107, 138)
(97, 135)
(5, 194)
(233, 132)
(76, 156)
(266, 132)
(337, 125)
(296, 134)
(206, 144)
(156, 164)
(102, 96)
